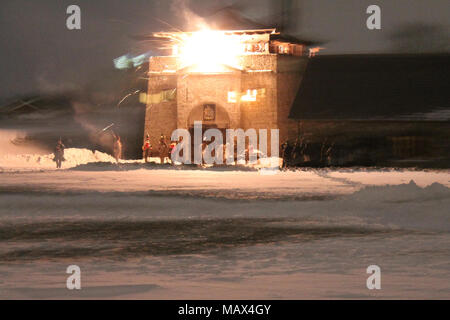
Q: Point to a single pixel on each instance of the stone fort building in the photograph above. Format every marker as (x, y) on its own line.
(255, 89)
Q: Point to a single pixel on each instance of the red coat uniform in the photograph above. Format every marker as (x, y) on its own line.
(147, 146)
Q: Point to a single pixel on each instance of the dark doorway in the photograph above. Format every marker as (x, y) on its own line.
(205, 143)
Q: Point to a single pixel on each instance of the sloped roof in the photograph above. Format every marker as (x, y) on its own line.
(375, 87)
(232, 21)
(229, 18)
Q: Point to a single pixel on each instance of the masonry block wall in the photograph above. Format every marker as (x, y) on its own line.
(160, 118)
(275, 77)
(196, 90)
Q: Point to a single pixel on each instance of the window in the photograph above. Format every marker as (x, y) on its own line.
(250, 95)
(232, 96)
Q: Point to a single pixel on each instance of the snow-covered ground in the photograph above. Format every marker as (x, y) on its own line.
(150, 231)
(38, 161)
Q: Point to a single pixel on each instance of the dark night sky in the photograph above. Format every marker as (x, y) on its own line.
(39, 53)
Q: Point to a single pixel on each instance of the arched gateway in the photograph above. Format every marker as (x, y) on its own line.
(211, 115)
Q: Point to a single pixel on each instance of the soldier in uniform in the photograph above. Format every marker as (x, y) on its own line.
(296, 152)
(117, 148)
(147, 148)
(172, 149)
(162, 148)
(329, 154)
(286, 150)
(59, 154)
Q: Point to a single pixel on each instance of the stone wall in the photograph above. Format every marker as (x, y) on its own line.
(258, 62)
(160, 117)
(195, 90)
(262, 113)
(159, 64)
(276, 78)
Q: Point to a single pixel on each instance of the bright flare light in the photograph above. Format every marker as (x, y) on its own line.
(209, 50)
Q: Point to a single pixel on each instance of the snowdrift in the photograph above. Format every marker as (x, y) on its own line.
(410, 192)
(87, 160)
(74, 157)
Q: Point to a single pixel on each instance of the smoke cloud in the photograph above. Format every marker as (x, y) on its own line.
(190, 20)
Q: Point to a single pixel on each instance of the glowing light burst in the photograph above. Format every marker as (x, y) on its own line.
(208, 50)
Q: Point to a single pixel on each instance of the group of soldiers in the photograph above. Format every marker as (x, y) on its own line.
(293, 154)
(301, 153)
(59, 151)
(164, 149)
